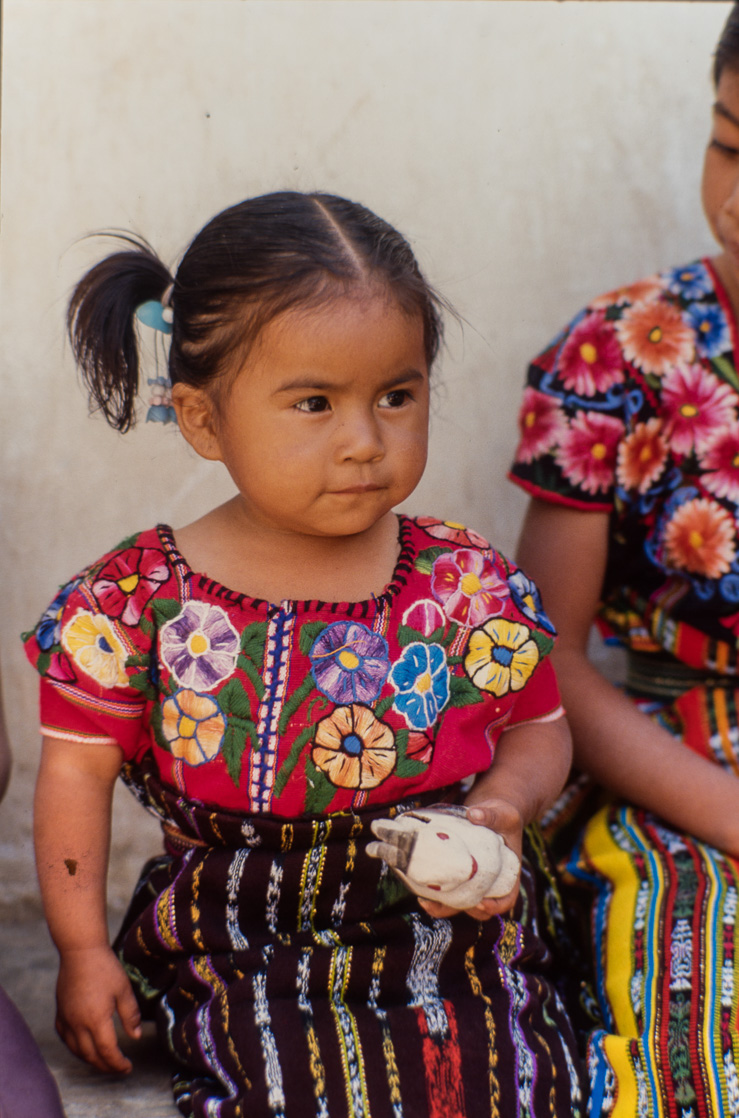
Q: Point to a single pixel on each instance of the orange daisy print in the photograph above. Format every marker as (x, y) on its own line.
(700, 538)
(641, 456)
(655, 338)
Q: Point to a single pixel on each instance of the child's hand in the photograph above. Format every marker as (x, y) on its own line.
(93, 986)
(501, 816)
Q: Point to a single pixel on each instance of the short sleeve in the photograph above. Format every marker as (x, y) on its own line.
(540, 700)
(92, 648)
(571, 415)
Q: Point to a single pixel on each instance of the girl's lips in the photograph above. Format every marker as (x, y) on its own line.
(356, 489)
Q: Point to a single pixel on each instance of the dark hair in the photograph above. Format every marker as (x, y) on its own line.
(250, 263)
(727, 50)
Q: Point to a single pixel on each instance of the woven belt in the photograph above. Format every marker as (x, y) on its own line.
(658, 676)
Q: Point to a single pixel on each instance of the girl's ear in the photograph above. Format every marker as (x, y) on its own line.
(196, 420)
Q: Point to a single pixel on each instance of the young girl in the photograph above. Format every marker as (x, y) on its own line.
(630, 448)
(281, 672)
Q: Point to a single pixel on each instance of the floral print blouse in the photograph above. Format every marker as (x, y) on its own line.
(632, 410)
(298, 707)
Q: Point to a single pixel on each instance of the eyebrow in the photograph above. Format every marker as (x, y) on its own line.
(308, 383)
(720, 108)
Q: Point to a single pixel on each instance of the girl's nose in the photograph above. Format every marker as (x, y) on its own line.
(359, 438)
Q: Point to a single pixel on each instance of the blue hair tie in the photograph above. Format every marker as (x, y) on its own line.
(153, 313)
(160, 402)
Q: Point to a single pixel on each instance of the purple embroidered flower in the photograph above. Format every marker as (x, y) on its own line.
(199, 646)
(421, 679)
(349, 662)
(526, 595)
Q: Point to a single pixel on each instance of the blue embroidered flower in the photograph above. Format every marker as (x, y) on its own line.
(421, 680)
(711, 328)
(526, 596)
(349, 662)
(48, 630)
(691, 282)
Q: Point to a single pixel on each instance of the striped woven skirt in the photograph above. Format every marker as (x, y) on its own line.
(662, 908)
(290, 974)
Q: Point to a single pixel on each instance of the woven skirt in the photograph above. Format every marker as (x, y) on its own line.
(291, 974)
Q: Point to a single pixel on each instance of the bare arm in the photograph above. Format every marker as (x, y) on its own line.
(529, 770)
(72, 836)
(565, 551)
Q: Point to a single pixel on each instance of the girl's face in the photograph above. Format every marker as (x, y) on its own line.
(721, 177)
(324, 427)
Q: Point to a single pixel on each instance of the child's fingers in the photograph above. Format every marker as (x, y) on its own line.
(129, 1012)
(106, 1054)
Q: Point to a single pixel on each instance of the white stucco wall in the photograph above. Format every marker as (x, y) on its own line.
(535, 153)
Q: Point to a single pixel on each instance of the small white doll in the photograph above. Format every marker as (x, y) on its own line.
(439, 854)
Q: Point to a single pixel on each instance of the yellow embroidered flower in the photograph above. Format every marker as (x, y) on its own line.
(353, 748)
(501, 656)
(193, 725)
(90, 640)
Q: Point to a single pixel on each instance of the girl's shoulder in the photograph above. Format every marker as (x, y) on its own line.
(470, 580)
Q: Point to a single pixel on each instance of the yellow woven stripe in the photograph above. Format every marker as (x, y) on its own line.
(723, 726)
(339, 1024)
(477, 990)
(713, 1076)
(388, 1048)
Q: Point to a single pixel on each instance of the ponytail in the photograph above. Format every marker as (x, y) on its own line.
(100, 321)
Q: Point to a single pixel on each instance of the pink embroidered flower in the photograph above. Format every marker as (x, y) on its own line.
(425, 617)
(721, 465)
(655, 338)
(540, 422)
(700, 538)
(641, 456)
(632, 293)
(128, 580)
(590, 360)
(696, 406)
(587, 453)
(468, 587)
(449, 530)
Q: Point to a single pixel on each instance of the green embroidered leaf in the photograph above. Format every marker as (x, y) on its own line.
(164, 609)
(146, 626)
(406, 766)
(232, 749)
(43, 662)
(613, 313)
(253, 640)
(142, 682)
(129, 541)
(544, 643)
(307, 687)
(426, 558)
(286, 768)
(313, 705)
(308, 635)
(462, 692)
(234, 701)
(726, 369)
(384, 706)
(319, 789)
(155, 721)
(250, 671)
(408, 635)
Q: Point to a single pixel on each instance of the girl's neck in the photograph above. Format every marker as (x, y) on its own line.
(273, 565)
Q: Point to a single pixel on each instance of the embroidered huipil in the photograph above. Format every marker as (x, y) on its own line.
(298, 707)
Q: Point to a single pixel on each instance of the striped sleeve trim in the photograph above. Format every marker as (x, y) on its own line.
(83, 739)
(552, 716)
(558, 498)
(99, 704)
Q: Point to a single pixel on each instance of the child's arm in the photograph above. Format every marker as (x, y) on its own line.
(565, 551)
(72, 834)
(529, 770)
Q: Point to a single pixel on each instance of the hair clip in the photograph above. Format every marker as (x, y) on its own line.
(160, 401)
(153, 313)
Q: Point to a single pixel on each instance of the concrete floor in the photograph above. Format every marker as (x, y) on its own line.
(28, 974)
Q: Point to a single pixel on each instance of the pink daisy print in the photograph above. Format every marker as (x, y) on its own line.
(632, 293)
(655, 338)
(540, 422)
(696, 405)
(700, 538)
(590, 361)
(468, 587)
(128, 580)
(641, 456)
(720, 462)
(587, 453)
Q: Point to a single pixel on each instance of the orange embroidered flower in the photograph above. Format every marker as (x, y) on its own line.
(353, 748)
(721, 465)
(193, 725)
(655, 338)
(641, 456)
(700, 538)
(631, 293)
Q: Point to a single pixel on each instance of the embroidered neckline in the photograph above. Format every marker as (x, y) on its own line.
(403, 567)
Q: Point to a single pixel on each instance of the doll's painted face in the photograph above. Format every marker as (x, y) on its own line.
(324, 428)
(720, 188)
